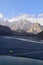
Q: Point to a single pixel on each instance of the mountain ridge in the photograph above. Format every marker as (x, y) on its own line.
(22, 23)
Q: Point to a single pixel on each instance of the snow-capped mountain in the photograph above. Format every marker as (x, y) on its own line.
(20, 17)
(23, 23)
(20, 23)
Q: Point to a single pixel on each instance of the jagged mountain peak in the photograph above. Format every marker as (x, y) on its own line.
(35, 28)
(22, 22)
(20, 17)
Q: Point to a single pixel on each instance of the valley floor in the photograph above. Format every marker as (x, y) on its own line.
(22, 47)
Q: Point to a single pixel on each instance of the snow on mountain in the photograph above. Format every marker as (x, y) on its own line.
(23, 22)
(18, 18)
(31, 18)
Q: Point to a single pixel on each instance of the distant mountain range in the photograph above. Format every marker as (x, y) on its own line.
(6, 31)
(22, 23)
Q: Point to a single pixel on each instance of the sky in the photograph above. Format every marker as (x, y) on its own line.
(12, 8)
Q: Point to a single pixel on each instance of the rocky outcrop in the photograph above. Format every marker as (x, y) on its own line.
(35, 28)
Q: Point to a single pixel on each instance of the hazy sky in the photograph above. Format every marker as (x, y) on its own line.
(12, 8)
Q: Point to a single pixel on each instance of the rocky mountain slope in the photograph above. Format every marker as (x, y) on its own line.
(22, 23)
(35, 28)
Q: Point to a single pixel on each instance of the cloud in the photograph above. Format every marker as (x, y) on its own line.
(38, 20)
(1, 15)
(32, 15)
(32, 18)
(40, 15)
